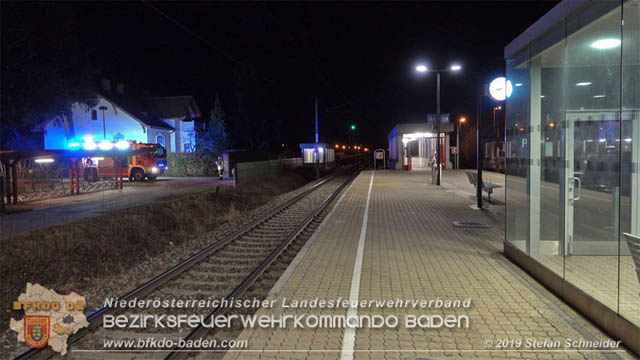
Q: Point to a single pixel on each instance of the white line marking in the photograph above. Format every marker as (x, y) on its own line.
(349, 340)
(363, 351)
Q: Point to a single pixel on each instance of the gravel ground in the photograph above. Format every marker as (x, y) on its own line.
(127, 279)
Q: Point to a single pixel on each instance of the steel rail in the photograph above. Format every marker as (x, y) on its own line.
(153, 284)
(201, 331)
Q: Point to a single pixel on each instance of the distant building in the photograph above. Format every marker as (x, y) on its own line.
(412, 146)
(169, 121)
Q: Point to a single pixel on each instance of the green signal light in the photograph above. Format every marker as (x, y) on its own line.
(353, 126)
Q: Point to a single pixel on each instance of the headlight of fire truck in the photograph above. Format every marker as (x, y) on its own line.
(154, 170)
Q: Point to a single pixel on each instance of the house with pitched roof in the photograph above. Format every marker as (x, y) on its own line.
(169, 121)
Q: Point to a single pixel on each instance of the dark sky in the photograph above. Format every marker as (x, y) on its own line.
(360, 54)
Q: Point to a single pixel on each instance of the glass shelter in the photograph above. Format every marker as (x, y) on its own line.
(572, 154)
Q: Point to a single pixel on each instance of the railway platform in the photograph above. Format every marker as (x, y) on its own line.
(390, 238)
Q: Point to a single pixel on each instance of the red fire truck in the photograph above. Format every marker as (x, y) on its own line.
(146, 164)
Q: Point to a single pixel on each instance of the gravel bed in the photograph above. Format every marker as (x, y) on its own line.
(128, 279)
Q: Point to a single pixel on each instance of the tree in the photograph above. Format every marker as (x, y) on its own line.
(44, 70)
(214, 138)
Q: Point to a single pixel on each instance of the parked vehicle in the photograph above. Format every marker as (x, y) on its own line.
(147, 165)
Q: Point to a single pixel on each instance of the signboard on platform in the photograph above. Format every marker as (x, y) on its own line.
(433, 118)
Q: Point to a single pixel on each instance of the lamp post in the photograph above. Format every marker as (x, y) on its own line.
(424, 69)
(496, 127)
(462, 119)
(104, 123)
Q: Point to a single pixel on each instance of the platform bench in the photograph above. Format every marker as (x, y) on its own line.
(487, 186)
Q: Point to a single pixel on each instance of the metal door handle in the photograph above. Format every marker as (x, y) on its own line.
(578, 188)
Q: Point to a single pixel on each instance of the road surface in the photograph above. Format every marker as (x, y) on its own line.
(50, 212)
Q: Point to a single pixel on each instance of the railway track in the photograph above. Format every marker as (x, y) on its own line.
(245, 263)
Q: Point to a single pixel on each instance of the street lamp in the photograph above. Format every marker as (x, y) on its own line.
(497, 129)
(462, 119)
(423, 69)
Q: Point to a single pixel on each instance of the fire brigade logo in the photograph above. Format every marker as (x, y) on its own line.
(36, 330)
(49, 318)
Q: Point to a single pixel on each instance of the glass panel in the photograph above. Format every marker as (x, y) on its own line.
(630, 182)
(593, 152)
(517, 151)
(549, 68)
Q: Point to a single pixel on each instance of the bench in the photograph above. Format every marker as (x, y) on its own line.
(487, 186)
(634, 247)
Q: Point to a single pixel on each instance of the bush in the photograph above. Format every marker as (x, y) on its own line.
(192, 164)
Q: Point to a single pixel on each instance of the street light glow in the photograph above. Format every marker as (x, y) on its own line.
(463, 119)
(421, 68)
(455, 67)
(604, 44)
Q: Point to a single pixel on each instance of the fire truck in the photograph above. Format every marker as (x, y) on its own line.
(144, 165)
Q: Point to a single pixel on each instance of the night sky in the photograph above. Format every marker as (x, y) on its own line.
(359, 57)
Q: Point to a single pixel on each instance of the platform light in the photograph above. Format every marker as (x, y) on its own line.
(627, 140)
(455, 67)
(44, 161)
(421, 68)
(122, 145)
(604, 44)
(96, 159)
(89, 145)
(586, 83)
(74, 145)
(500, 88)
(599, 96)
(518, 84)
(105, 145)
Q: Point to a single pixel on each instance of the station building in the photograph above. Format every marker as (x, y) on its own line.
(412, 146)
(572, 155)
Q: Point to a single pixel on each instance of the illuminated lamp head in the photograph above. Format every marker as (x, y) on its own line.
(122, 145)
(500, 88)
(105, 145)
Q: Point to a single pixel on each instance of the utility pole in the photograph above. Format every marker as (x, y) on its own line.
(479, 147)
(317, 152)
(438, 137)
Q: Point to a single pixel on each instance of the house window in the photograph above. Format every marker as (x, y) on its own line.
(94, 114)
(160, 139)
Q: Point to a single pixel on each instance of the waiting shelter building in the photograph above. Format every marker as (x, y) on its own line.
(572, 154)
(412, 146)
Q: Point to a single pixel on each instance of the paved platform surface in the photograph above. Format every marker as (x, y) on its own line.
(390, 237)
(45, 213)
